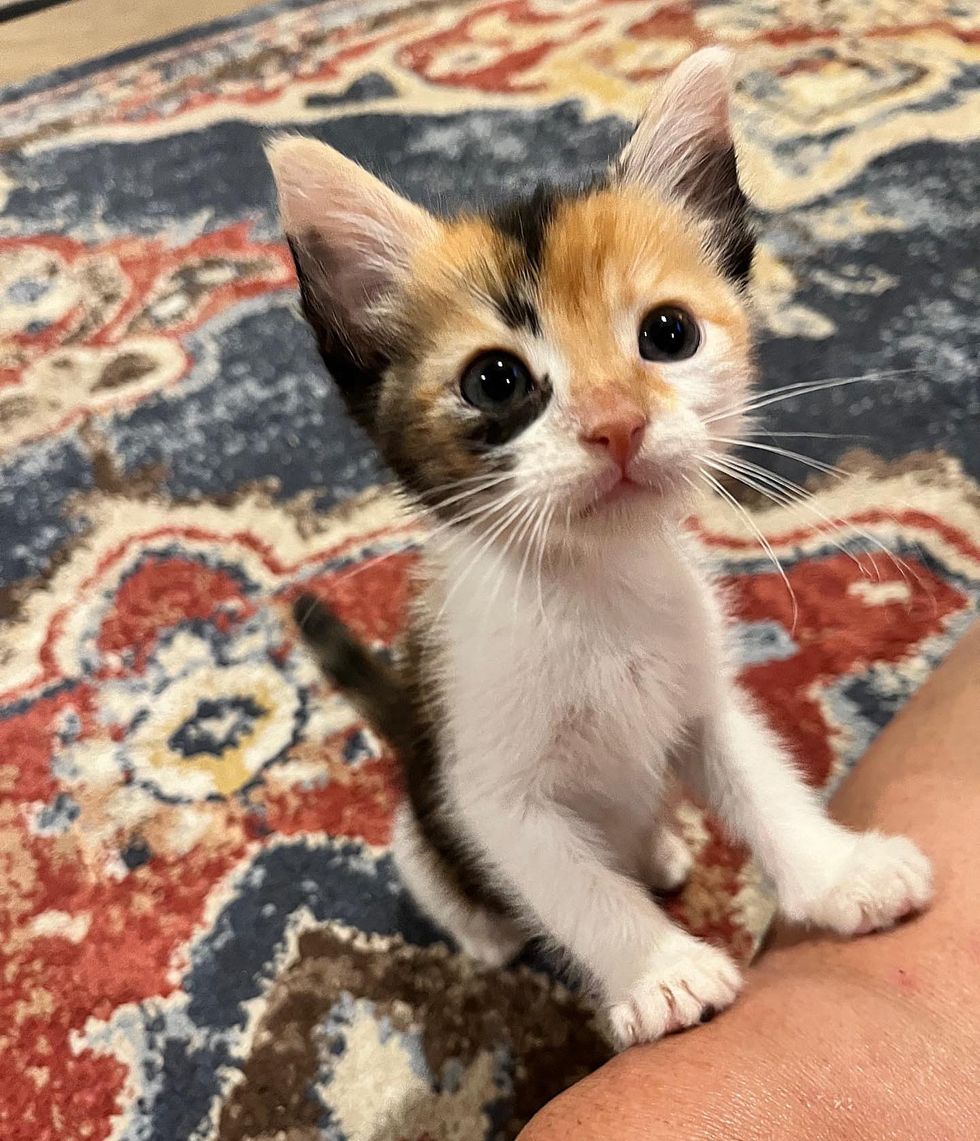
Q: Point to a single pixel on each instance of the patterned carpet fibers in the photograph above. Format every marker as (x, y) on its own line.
(200, 930)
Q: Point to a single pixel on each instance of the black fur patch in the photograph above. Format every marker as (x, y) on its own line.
(713, 189)
(526, 221)
(356, 369)
(493, 430)
(517, 310)
(370, 682)
(400, 706)
(422, 768)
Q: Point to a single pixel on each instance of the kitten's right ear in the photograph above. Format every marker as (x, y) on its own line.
(683, 148)
(352, 240)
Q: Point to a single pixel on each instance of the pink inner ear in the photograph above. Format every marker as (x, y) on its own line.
(353, 237)
(324, 194)
(688, 114)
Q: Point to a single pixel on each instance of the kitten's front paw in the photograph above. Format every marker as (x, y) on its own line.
(687, 983)
(883, 880)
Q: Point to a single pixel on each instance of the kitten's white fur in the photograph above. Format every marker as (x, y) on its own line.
(605, 668)
(589, 682)
(577, 681)
(619, 674)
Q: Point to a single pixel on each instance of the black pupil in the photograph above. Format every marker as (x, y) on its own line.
(666, 332)
(496, 382)
(501, 379)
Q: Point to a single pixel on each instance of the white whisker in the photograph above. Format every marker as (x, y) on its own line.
(817, 465)
(547, 517)
(802, 388)
(515, 537)
(813, 435)
(764, 542)
(486, 483)
(772, 478)
(344, 576)
(782, 498)
(475, 513)
(483, 544)
(528, 548)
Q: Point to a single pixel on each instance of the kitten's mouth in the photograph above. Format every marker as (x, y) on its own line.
(623, 490)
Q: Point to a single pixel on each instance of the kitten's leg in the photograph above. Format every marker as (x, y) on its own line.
(824, 874)
(670, 860)
(654, 977)
(667, 860)
(489, 936)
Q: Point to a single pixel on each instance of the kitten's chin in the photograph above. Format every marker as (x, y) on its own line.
(631, 505)
(660, 494)
(621, 497)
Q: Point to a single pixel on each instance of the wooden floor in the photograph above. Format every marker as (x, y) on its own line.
(82, 29)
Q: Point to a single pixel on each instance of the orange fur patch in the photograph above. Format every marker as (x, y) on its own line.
(611, 258)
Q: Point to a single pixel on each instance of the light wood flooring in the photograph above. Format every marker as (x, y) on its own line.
(80, 30)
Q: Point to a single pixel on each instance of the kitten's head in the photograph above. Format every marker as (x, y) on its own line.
(561, 354)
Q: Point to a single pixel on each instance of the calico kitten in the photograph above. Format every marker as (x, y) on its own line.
(540, 378)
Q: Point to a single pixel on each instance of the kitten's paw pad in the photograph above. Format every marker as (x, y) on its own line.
(885, 879)
(683, 986)
(670, 862)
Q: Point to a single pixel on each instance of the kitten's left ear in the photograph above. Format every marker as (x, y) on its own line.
(683, 148)
(353, 239)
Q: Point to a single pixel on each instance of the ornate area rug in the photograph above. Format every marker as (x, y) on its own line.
(201, 933)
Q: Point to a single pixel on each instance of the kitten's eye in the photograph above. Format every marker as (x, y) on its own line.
(496, 381)
(668, 334)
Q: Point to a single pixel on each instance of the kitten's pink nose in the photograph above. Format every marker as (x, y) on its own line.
(620, 434)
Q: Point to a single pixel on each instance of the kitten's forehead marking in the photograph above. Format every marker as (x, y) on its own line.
(524, 222)
(609, 257)
(562, 280)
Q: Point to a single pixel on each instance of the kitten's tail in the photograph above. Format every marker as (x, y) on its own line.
(370, 683)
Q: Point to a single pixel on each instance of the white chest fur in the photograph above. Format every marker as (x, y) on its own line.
(562, 712)
(583, 687)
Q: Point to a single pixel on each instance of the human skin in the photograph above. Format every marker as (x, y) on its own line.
(872, 1038)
